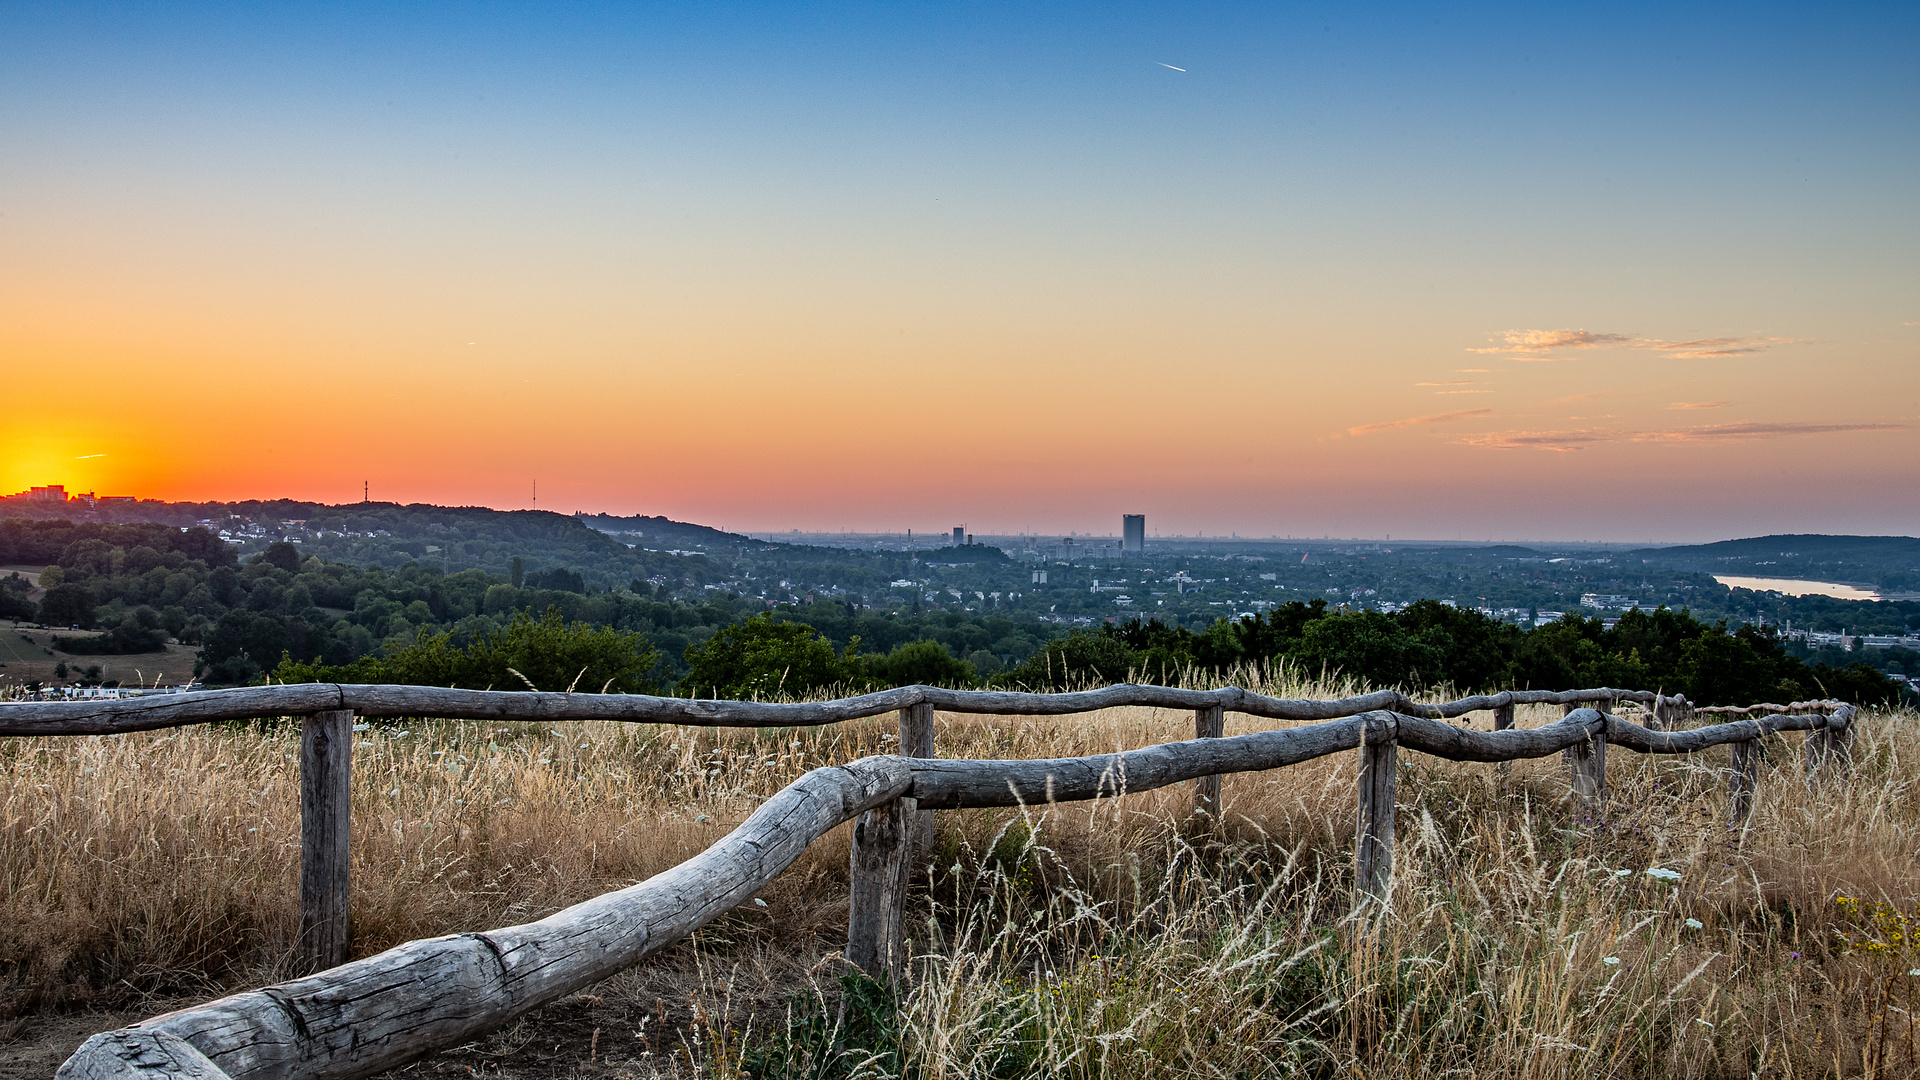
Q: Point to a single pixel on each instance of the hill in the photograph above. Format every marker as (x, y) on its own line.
(1884, 561)
(661, 532)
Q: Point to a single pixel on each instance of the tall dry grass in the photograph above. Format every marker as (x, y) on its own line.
(1522, 938)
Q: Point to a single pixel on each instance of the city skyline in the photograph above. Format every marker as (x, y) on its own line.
(1612, 273)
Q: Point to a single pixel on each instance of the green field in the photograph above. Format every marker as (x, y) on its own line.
(15, 649)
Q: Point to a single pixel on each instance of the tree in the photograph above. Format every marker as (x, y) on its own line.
(923, 662)
(763, 658)
(1372, 647)
(554, 654)
(139, 631)
(282, 555)
(1476, 652)
(547, 653)
(68, 605)
(559, 579)
(240, 646)
(13, 599)
(1718, 668)
(1074, 661)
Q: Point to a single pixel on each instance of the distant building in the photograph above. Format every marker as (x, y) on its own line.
(1133, 533)
(959, 536)
(57, 493)
(1608, 602)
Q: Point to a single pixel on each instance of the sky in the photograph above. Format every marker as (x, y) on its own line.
(1605, 272)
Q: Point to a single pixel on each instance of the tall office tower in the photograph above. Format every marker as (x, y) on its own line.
(959, 535)
(1133, 533)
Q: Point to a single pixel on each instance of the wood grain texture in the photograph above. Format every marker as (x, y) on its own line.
(1826, 705)
(1829, 748)
(1503, 721)
(876, 923)
(371, 700)
(383, 1011)
(138, 1055)
(173, 710)
(1646, 741)
(1466, 744)
(1208, 723)
(1743, 779)
(945, 784)
(1587, 770)
(1373, 833)
(326, 790)
(916, 740)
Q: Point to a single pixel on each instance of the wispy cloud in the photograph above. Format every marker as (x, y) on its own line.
(84, 457)
(1577, 439)
(1558, 441)
(1461, 382)
(1471, 371)
(1748, 432)
(1534, 344)
(1438, 392)
(1699, 404)
(1416, 421)
(1525, 341)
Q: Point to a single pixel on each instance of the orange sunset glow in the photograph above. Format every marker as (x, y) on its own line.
(1024, 292)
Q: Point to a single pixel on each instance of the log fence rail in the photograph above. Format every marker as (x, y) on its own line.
(356, 1019)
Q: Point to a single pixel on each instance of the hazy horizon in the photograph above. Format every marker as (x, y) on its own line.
(1602, 273)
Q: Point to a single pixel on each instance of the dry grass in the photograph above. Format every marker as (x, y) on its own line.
(1084, 940)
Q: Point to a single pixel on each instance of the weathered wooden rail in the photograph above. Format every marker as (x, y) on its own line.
(363, 1017)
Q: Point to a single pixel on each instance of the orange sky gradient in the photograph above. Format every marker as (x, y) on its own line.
(1234, 303)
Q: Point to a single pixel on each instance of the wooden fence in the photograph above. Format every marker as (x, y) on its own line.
(356, 1019)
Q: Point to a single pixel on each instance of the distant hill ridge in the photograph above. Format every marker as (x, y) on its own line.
(1818, 556)
(658, 531)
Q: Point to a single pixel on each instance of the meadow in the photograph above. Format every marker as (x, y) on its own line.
(1523, 937)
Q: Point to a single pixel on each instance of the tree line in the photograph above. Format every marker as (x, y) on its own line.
(1430, 645)
(296, 616)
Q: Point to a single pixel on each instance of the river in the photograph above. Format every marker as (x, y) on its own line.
(1797, 587)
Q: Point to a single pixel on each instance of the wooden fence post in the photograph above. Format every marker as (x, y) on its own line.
(1208, 723)
(916, 740)
(876, 910)
(1503, 721)
(1742, 778)
(1663, 712)
(885, 841)
(1587, 768)
(1373, 838)
(1829, 750)
(326, 763)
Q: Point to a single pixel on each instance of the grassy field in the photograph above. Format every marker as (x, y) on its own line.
(18, 648)
(1522, 938)
(24, 657)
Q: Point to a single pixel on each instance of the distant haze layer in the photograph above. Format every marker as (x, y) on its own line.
(1611, 273)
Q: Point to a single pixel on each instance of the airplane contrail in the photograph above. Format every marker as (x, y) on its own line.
(1169, 66)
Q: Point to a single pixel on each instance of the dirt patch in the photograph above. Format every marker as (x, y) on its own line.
(33, 1046)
